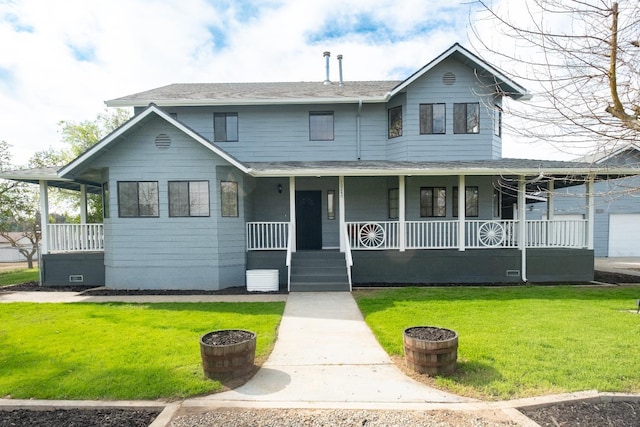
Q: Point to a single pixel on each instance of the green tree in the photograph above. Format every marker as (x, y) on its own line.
(78, 137)
(18, 211)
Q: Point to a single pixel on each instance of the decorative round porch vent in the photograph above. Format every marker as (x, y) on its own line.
(448, 78)
(163, 141)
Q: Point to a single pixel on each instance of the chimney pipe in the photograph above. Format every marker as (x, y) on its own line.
(327, 55)
(340, 68)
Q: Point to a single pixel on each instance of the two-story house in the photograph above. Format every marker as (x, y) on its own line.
(330, 183)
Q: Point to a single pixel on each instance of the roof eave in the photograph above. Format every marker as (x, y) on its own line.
(315, 172)
(248, 101)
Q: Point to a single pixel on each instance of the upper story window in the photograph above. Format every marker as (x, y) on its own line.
(433, 201)
(432, 118)
(138, 199)
(466, 118)
(321, 126)
(471, 201)
(497, 120)
(395, 121)
(188, 198)
(225, 127)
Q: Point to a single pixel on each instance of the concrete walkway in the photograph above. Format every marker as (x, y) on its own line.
(325, 355)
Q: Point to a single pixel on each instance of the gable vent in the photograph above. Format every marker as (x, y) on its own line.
(448, 78)
(163, 141)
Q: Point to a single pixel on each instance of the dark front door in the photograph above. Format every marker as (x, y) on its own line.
(308, 220)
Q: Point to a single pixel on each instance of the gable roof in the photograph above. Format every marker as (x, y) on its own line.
(604, 155)
(213, 94)
(75, 165)
(506, 85)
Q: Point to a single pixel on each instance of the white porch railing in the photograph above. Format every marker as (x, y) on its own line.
(264, 236)
(75, 237)
(479, 234)
(431, 234)
(373, 235)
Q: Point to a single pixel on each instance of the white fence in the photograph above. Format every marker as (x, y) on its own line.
(479, 234)
(75, 237)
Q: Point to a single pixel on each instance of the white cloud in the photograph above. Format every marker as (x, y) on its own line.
(62, 60)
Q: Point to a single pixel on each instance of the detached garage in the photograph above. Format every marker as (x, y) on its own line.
(624, 235)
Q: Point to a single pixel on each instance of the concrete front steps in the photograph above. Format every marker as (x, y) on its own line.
(318, 271)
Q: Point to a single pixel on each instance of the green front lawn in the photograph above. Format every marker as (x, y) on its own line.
(118, 351)
(23, 275)
(520, 341)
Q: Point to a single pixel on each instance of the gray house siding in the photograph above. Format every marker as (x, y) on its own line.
(163, 251)
(430, 88)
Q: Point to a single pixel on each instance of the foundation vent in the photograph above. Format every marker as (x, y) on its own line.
(76, 278)
(513, 273)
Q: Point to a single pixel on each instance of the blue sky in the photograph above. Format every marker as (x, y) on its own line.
(60, 60)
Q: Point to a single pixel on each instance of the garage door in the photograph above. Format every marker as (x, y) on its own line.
(624, 235)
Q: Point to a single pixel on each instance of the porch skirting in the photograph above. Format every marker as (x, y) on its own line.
(77, 268)
(471, 266)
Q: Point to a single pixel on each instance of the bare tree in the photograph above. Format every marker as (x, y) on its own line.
(580, 59)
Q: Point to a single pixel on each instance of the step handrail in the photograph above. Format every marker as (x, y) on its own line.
(347, 255)
(288, 259)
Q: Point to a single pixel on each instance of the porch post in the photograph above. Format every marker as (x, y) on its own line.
(590, 212)
(292, 211)
(550, 200)
(44, 217)
(83, 203)
(462, 198)
(522, 225)
(401, 214)
(341, 212)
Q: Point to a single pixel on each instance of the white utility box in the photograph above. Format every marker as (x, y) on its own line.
(263, 280)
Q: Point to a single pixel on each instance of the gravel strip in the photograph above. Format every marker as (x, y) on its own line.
(242, 417)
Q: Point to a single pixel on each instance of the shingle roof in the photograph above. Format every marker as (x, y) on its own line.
(252, 93)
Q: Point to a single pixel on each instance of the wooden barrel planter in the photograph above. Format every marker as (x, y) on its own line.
(227, 353)
(431, 350)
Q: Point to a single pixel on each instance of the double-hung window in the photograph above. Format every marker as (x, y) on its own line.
(466, 118)
(225, 127)
(188, 198)
(432, 118)
(395, 122)
(471, 201)
(138, 199)
(321, 126)
(433, 201)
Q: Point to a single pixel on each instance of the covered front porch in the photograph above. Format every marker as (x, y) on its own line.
(354, 215)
